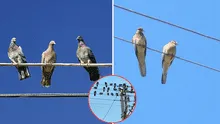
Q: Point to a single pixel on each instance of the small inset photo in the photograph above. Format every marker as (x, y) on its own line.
(112, 99)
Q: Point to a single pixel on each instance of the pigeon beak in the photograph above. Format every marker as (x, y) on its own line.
(78, 38)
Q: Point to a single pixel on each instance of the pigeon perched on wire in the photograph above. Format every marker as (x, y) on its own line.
(112, 94)
(170, 51)
(94, 93)
(97, 84)
(48, 56)
(16, 55)
(103, 89)
(140, 44)
(85, 55)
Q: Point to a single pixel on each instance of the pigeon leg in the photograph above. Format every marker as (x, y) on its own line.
(81, 62)
(88, 62)
(13, 61)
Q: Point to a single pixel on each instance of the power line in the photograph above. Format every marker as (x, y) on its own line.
(40, 95)
(117, 100)
(195, 63)
(168, 23)
(109, 108)
(100, 104)
(96, 103)
(57, 64)
(105, 94)
(95, 98)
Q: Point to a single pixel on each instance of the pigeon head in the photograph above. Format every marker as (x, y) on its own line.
(52, 42)
(174, 42)
(13, 39)
(81, 42)
(79, 38)
(141, 29)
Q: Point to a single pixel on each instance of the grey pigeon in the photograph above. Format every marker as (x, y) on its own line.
(140, 43)
(170, 51)
(16, 55)
(48, 56)
(85, 55)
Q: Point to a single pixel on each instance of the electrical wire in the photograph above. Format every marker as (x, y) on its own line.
(110, 99)
(43, 95)
(109, 108)
(168, 23)
(195, 63)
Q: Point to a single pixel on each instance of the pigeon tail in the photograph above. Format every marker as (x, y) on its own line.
(94, 76)
(45, 82)
(27, 73)
(23, 73)
(163, 78)
(46, 79)
(142, 67)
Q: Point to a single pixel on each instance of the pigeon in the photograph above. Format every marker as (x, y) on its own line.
(85, 55)
(48, 56)
(94, 93)
(16, 55)
(170, 51)
(140, 43)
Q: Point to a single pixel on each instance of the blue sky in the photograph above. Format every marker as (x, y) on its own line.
(101, 104)
(34, 24)
(191, 93)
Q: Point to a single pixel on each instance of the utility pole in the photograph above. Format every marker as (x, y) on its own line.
(125, 99)
(122, 105)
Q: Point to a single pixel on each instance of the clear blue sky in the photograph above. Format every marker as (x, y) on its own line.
(191, 94)
(101, 104)
(34, 24)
